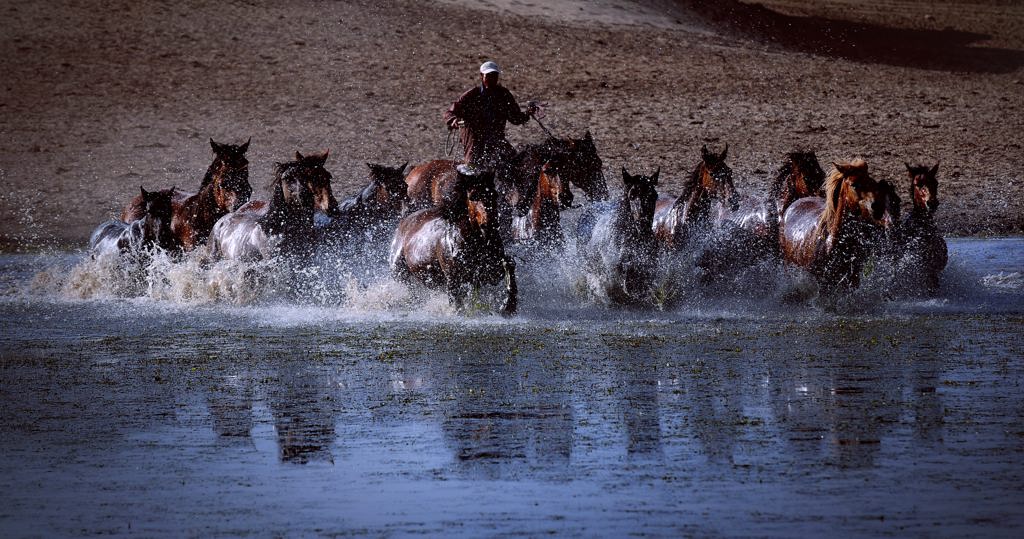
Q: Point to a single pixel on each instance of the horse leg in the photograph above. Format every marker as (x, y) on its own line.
(456, 290)
(511, 288)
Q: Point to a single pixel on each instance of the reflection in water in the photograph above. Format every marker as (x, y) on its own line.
(504, 412)
(303, 411)
(229, 398)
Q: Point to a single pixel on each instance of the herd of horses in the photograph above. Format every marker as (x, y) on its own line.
(447, 225)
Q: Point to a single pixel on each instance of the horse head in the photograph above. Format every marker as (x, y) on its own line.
(715, 177)
(552, 183)
(481, 197)
(585, 169)
(807, 175)
(158, 212)
(293, 201)
(229, 174)
(924, 187)
(317, 181)
(850, 190)
(388, 190)
(640, 195)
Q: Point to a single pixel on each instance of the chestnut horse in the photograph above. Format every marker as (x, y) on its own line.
(707, 198)
(583, 168)
(229, 161)
(832, 237)
(375, 209)
(616, 241)
(284, 225)
(542, 223)
(921, 243)
(152, 230)
(456, 243)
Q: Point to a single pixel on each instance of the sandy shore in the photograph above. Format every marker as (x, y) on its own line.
(96, 101)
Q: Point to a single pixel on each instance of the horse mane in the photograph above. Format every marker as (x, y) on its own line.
(690, 185)
(833, 186)
(208, 177)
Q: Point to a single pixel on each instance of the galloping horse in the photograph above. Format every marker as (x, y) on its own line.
(378, 206)
(708, 195)
(224, 189)
(756, 235)
(542, 223)
(832, 237)
(284, 225)
(617, 243)
(457, 242)
(229, 163)
(922, 245)
(583, 168)
(153, 229)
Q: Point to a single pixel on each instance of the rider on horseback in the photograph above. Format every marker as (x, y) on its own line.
(481, 112)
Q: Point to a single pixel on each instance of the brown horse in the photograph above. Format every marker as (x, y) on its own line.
(283, 225)
(152, 230)
(457, 242)
(832, 237)
(616, 241)
(229, 163)
(708, 195)
(224, 189)
(542, 223)
(362, 218)
(583, 168)
(921, 243)
(318, 181)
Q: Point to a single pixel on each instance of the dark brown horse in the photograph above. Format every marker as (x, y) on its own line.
(707, 198)
(832, 237)
(229, 163)
(921, 245)
(224, 189)
(282, 225)
(318, 181)
(542, 223)
(583, 168)
(456, 243)
(362, 218)
(152, 230)
(616, 242)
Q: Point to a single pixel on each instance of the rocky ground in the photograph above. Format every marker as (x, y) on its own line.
(96, 100)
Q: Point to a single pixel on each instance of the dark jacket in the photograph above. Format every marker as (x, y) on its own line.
(485, 112)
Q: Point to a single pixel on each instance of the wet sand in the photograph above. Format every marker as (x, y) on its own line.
(98, 101)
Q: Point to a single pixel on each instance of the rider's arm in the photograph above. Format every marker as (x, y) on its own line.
(515, 115)
(454, 114)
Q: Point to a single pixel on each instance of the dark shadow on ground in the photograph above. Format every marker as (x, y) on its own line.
(945, 50)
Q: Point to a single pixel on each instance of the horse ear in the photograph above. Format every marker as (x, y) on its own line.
(843, 169)
(724, 153)
(216, 147)
(587, 137)
(298, 156)
(245, 147)
(654, 178)
(625, 175)
(327, 153)
(934, 170)
(402, 167)
(909, 169)
(704, 152)
(143, 189)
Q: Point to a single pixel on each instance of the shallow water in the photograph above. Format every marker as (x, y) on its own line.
(738, 411)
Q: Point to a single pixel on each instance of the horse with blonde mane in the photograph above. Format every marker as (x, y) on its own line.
(832, 237)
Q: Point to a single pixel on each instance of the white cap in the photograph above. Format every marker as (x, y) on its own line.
(489, 67)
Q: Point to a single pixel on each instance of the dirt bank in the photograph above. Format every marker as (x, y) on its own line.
(97, 101)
